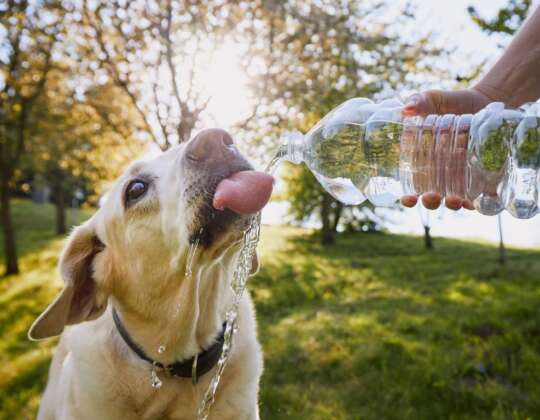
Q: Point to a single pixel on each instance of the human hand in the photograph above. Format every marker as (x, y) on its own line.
(465, 101)
(441, 102)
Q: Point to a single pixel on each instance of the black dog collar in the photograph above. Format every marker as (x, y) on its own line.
(204, 361)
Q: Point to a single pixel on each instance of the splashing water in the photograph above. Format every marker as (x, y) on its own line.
(272, 165)
(250, 241)
(238, 285)
(189, 263)
(154, 378)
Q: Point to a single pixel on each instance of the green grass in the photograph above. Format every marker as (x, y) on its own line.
(373, 328)
(24, 364)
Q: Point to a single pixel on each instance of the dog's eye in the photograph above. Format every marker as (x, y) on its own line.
(135, 190)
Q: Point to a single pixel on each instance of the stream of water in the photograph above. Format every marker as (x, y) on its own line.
(250, 240)
(238, 285)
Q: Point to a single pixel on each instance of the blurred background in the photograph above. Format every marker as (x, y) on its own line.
(363, 312)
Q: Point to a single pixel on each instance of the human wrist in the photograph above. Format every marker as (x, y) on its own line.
(485, 93)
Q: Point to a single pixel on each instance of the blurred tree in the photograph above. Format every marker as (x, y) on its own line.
(75, 146)
(306, 58)
(30, 33)
(508, 19)
(154, 52)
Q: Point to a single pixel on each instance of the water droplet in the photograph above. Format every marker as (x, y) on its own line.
(270, 169)
(154, 379)
(189, 264)
(161, 349)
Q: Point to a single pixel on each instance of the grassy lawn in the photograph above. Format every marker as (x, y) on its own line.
(373, 328)
(24, 364)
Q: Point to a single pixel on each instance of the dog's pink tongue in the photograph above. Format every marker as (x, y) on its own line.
(244, 192)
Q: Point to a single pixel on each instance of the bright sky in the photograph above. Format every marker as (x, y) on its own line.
(227, 85)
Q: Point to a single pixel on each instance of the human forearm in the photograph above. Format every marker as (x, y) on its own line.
(515, 77)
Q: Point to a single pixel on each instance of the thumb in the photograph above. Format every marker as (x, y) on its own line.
(441, 102)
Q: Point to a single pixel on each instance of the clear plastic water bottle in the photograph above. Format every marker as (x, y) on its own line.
(521, 193)
(368, 150)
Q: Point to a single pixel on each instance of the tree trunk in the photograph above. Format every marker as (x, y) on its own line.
(60, 211)
(10, 248)
(428, 242)
(328, 236)
(337, 215)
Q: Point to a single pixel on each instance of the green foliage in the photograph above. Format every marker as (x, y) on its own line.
(373, 328)
(527, 148)
(508, 19)
(28, 41)
(495, 147)
(303, 191)
(30, 35)
(84, 142)
(340, 154)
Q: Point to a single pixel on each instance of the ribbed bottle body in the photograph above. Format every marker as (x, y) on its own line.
(490, 160)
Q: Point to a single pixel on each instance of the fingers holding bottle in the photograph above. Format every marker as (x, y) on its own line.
(440, 102)
(429, 166)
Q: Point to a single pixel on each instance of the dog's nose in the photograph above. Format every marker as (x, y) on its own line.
(210, 145)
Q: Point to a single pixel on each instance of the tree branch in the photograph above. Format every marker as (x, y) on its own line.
(113, 71)
(161, 120)
(172, 69)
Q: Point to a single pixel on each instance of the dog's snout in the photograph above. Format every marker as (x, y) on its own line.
(210, 145)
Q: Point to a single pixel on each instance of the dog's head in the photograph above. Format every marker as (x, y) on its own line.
(137, 243)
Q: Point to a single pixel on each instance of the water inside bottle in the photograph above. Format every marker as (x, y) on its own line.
(336, 159)
(521, 198)
(382, 155)
(489, 159)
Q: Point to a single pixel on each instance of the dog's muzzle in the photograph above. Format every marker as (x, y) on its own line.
(210, 146)
(209, 158)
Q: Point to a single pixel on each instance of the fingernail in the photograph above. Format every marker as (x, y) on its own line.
(413, 101)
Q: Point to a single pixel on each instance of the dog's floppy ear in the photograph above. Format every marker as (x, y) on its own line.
(254, 264)
(80, 299)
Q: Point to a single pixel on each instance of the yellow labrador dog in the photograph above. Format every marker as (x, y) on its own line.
(128, 305)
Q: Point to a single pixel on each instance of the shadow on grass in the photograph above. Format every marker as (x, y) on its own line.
(20, 397)
(375, 327)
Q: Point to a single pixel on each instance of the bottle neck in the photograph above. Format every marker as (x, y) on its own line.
(293, 147)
